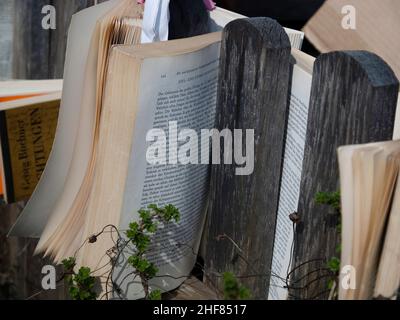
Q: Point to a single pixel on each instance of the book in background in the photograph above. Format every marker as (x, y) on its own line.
(28, 121)
(373, 26)
(370, 206)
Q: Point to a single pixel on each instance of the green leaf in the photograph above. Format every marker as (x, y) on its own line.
(82, 284)
(334, 264)
(328, 198)
(233, 290)
(155, 295)
(171, 213)
(148, 270)
(69, 264)
(133, 230)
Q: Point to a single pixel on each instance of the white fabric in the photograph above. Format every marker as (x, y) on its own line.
(155, 21)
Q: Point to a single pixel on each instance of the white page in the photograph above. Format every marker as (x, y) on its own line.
(20, 103)
(290, 181)
(38, 210)
(28, 87)
(184, 186)
(219, 18)
(396, 129)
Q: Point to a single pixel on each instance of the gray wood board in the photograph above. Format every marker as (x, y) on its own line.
(353, 100)
(253, 94)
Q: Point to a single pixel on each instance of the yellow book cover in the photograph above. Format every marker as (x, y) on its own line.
(27, 135)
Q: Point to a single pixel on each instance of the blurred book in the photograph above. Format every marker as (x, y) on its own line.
(358, 25)
(28, 120)
(370, 205)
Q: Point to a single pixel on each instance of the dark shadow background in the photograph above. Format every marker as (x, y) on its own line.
(289, 13)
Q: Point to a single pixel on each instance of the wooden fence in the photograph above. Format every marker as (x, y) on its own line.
(353, 100)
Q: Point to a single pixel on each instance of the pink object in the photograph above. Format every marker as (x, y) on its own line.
(210, 5)
(140, 1)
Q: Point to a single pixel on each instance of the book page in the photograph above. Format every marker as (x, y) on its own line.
(290, 181)
(219, 18)
(396, 129)
(388, 276)
(176, 93)
(37, 212)
(29, 87)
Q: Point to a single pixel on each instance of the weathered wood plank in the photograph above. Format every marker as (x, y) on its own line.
(20, 271)
(353, 100)
(192, 289)
(252, 94)
(31, 41)
(6, 32)
(41, 52)
(58, 37)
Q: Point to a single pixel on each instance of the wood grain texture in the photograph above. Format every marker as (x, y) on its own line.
(252, 94)
(6, 36)
(58, 37)
(40, 53)
(31, 41)
(353, 100)
(192, 289)
(20, 271)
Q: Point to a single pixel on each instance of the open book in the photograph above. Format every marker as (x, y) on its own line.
(115, 91)
(28, 120)
(370, 204)
(291, 172)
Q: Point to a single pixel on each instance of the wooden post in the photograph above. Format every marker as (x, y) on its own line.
(252, 94)
(58, 37)
(31, 41)
(40, 53)
(353, 100)
(6, 31)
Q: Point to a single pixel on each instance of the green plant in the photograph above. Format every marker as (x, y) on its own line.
(139, 234)
(155, 295)
(233, 290)
(81, 284)
(332, 199)
(334, 264)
